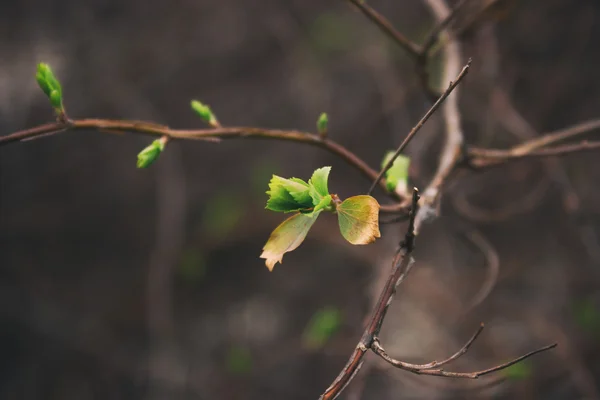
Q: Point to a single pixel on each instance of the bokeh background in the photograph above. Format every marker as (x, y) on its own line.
(119, 283)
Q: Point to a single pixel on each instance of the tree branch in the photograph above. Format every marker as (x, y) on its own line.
(212, 135)
(420, 124)
(386, 26)
(426, 369)
(401, 265)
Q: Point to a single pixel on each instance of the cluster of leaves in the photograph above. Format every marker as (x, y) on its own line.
(358, 216)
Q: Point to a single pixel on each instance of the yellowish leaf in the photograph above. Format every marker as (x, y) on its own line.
(358, 218)
(287, 237)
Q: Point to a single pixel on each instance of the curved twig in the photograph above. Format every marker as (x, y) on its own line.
(212, 135)
(448, 374)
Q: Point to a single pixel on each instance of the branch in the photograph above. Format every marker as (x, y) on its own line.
(538, 147)
(452, 151)
(430, 369)
(420, 124)
(382, 23)
(401, 265)
(212, 135)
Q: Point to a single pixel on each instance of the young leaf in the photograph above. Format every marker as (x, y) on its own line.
(287, 237)
(286, 195)
(299, 190)
(204, 112)
(147, 156)
(397, 175)
(358, 217)
(319, 182)
(49, 85)
(323, 204)
(322, 124)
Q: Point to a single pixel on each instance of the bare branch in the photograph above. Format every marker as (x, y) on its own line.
(434, 364)
(382, 23)
(212, 135)
(423, 370)
(420, 124)
(401, 265)
(433, 36)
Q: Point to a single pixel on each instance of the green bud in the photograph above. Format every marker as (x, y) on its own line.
(41, 80)
(204, 111)
(56, 99)
(49, 85)
(322, 124)
(147, 156)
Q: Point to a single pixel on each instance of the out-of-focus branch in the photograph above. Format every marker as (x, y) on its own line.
(386, 26)
(452, 151)
(538, 147)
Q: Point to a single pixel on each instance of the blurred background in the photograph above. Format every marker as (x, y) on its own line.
(119, 283)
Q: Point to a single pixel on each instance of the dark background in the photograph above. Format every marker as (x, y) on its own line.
(119, 283)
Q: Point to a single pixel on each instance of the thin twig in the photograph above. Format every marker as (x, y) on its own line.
(543, 141)
(379, 350)
(419, 125)
(401, 265)
(434, 34)
(436, 364)
(386, 26)
(212, 134)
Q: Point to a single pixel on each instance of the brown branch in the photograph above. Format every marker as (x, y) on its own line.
(435, 364)
(498, 157)
(418, 369)
(212, 134)
(537, 147)
(385, 25)
(401, 265)
(434, 34)
(420, 124)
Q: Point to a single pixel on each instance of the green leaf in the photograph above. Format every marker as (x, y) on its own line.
(55, 99)
(321, 327)
(319, 182)
(41, 80)
(519, 371)
(49, 85)
(204, 112)
(397, 175)
(322, 123)
(299, 190)
(325, 203)
(147, 156)
(358, 218)
(286, 195)
(287, 237)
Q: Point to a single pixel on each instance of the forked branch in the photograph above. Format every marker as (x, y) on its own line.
(433, 368)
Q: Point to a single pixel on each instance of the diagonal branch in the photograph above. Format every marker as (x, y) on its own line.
(401, 265)
(386, 26)
(420, 124)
